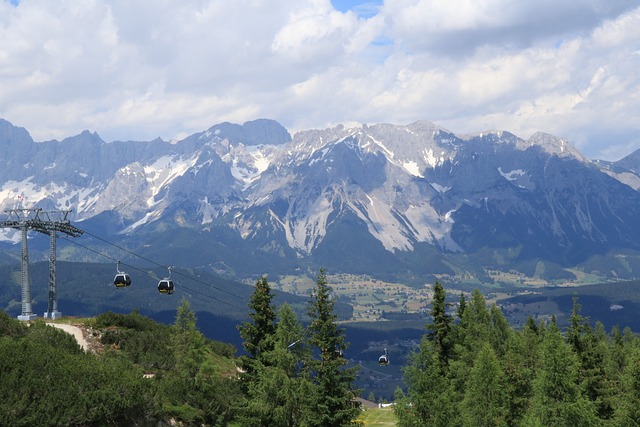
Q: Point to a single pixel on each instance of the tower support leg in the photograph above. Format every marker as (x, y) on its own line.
(27, 313)
(52, 308)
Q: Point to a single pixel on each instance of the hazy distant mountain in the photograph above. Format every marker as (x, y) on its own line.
(386, 200)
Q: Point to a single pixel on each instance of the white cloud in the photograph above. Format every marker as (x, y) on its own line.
(142, 68)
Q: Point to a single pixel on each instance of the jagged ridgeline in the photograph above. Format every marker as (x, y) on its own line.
(395, 201)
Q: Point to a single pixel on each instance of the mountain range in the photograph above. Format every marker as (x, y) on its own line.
(399, 202)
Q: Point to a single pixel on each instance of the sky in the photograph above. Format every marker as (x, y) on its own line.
(141, 69)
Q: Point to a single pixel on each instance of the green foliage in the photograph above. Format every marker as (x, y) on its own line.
(494, 375)
(557, 399)
(144, 341)
(430, 399)
(333, 400)
(11, 327)
(42, 334)
(485, 397)
(440, 329)
(258, 332)
(49, 384)
(134, 321)
(185, 317)
(53, 382)
(296, 377)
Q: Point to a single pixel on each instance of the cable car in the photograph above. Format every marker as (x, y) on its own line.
(384, 359)
(122, 279)
(165, 286)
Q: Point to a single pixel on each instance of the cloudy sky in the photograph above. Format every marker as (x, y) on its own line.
(140, 69)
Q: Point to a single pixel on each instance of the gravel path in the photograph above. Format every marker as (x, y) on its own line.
(73, 330)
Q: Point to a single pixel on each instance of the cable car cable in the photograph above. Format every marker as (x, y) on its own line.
(152, 274)
(162, 266)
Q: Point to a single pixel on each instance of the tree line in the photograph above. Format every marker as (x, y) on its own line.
(294, 375)
(148, 372)
(473, 369)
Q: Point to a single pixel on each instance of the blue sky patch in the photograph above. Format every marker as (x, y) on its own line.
(363, 8)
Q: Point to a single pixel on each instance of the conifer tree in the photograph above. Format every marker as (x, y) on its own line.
(440, 329)
(628, 407)
(432, 398)
(258, 334)
(333, 403)
(499, 330)
(473, 329)
(430, 401)
(462, 306)
(188, 343)
(278, 396)
(485, 398)
(520, 365)
(591, 349)
(557, 399)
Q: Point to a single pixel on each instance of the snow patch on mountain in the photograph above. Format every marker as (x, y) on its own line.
(431, 159)
(249, 167)
(164, 170)
(512, 175)
(413, 168)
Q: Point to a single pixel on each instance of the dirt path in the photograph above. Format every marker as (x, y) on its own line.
(73, 330)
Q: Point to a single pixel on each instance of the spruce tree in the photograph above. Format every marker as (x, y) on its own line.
(258, 334)
(520, 365)
(432, 397)
(278, 396)
(333, 401)
(440, 329)
(557, 398)
(628, 406)
(485, 399)
(591, 349)
(430, 400)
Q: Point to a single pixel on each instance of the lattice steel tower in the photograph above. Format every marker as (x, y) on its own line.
(41, 221)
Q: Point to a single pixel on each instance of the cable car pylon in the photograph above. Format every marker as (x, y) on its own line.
(41, 221)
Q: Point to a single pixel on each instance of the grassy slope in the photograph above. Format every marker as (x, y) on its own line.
(378, 417)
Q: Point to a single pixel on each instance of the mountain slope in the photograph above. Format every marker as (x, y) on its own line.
(384, 199)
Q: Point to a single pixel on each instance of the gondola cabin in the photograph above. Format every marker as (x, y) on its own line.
(165, 286)
(384, 359)
(122, 280)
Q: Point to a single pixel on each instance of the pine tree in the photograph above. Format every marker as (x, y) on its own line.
(440, 329)
(520, 365)
(462, 306)
(185, 318)
(485, 398)
(188, 343)
(628, 407)
(258, 334)
(430, 400)
(591, 349)
(278, 396)
(333, 403)
(432, 396)
(557, 399)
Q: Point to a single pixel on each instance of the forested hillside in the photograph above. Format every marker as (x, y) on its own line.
(146, 372)
(474, 369)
